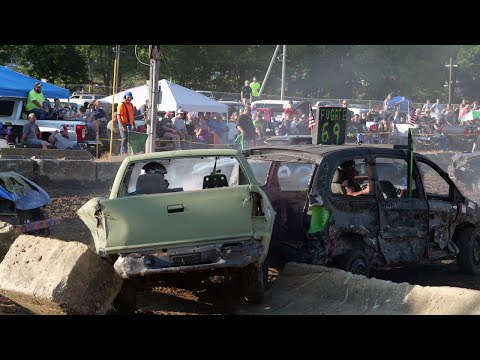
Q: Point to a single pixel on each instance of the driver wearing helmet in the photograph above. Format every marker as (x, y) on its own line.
(152, 181)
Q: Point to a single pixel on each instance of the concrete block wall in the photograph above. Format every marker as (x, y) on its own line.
(55, 171)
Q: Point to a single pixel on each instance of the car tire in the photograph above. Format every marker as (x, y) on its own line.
(253, 279)
(469, 257)
(356, 262)
(126, 300)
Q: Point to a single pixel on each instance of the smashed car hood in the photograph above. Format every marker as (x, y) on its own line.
(24, 193)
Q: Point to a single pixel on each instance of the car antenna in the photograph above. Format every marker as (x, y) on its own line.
(214, 171)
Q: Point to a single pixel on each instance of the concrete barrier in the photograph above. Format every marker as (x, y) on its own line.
(25, 167)
(106, 171)
(303, 289)
(74, 172)
(65, 171)
(8, 234)
(28, 153)
(50, 276)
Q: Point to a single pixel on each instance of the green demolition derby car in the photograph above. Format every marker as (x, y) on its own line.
(180, 211)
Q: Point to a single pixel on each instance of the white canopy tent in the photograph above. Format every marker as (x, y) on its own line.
(173, 96)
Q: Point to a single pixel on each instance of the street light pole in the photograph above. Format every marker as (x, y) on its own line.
(117, 66)
(450, 80)
(155, 55)
(283, 71)
(269, 69)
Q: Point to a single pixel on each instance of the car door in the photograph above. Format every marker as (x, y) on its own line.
(152, 221)
(403, 219)
(352, 215)
(442, 209)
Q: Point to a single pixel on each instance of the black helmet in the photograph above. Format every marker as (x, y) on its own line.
(154, 168)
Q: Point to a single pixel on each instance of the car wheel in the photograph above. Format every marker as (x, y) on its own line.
(469, 257)
(356, 262)
(253, 279)
(126, 300)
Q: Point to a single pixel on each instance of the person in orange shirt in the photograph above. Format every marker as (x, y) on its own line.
(126, 120)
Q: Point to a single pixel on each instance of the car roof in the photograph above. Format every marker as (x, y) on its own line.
(317, 152)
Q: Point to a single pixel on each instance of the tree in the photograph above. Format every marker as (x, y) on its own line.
(57, 63)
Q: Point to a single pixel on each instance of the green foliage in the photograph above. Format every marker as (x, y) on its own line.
(59, 64)
(317, 71)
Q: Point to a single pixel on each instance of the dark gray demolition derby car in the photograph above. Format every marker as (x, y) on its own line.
(349, 206)
(22, 204)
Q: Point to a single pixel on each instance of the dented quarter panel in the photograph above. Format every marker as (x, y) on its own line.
(442, 215)
(90, 213)
(353, 216)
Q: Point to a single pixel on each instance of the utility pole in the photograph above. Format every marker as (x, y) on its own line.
(283, 70)
(450, 80)
(268, 70)
(155, 54)
(117, 56)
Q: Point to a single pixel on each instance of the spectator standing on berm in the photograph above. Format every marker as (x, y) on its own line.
(126, 120)
(255, 86)
(246, 93)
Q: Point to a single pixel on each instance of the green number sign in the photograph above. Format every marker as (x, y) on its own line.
(331, 124)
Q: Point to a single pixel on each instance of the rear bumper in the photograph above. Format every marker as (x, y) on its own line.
(192, 258)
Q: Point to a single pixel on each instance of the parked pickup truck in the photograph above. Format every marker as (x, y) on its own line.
(12, 115)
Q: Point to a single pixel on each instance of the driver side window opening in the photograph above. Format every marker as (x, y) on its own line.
(353, 177)
(434, 184)
(293, 176)
(392, 178)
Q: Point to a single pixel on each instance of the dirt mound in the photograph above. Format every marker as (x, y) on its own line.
(316, 290)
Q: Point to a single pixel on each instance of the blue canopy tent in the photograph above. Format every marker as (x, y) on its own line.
(15, 84)
(403, 106)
